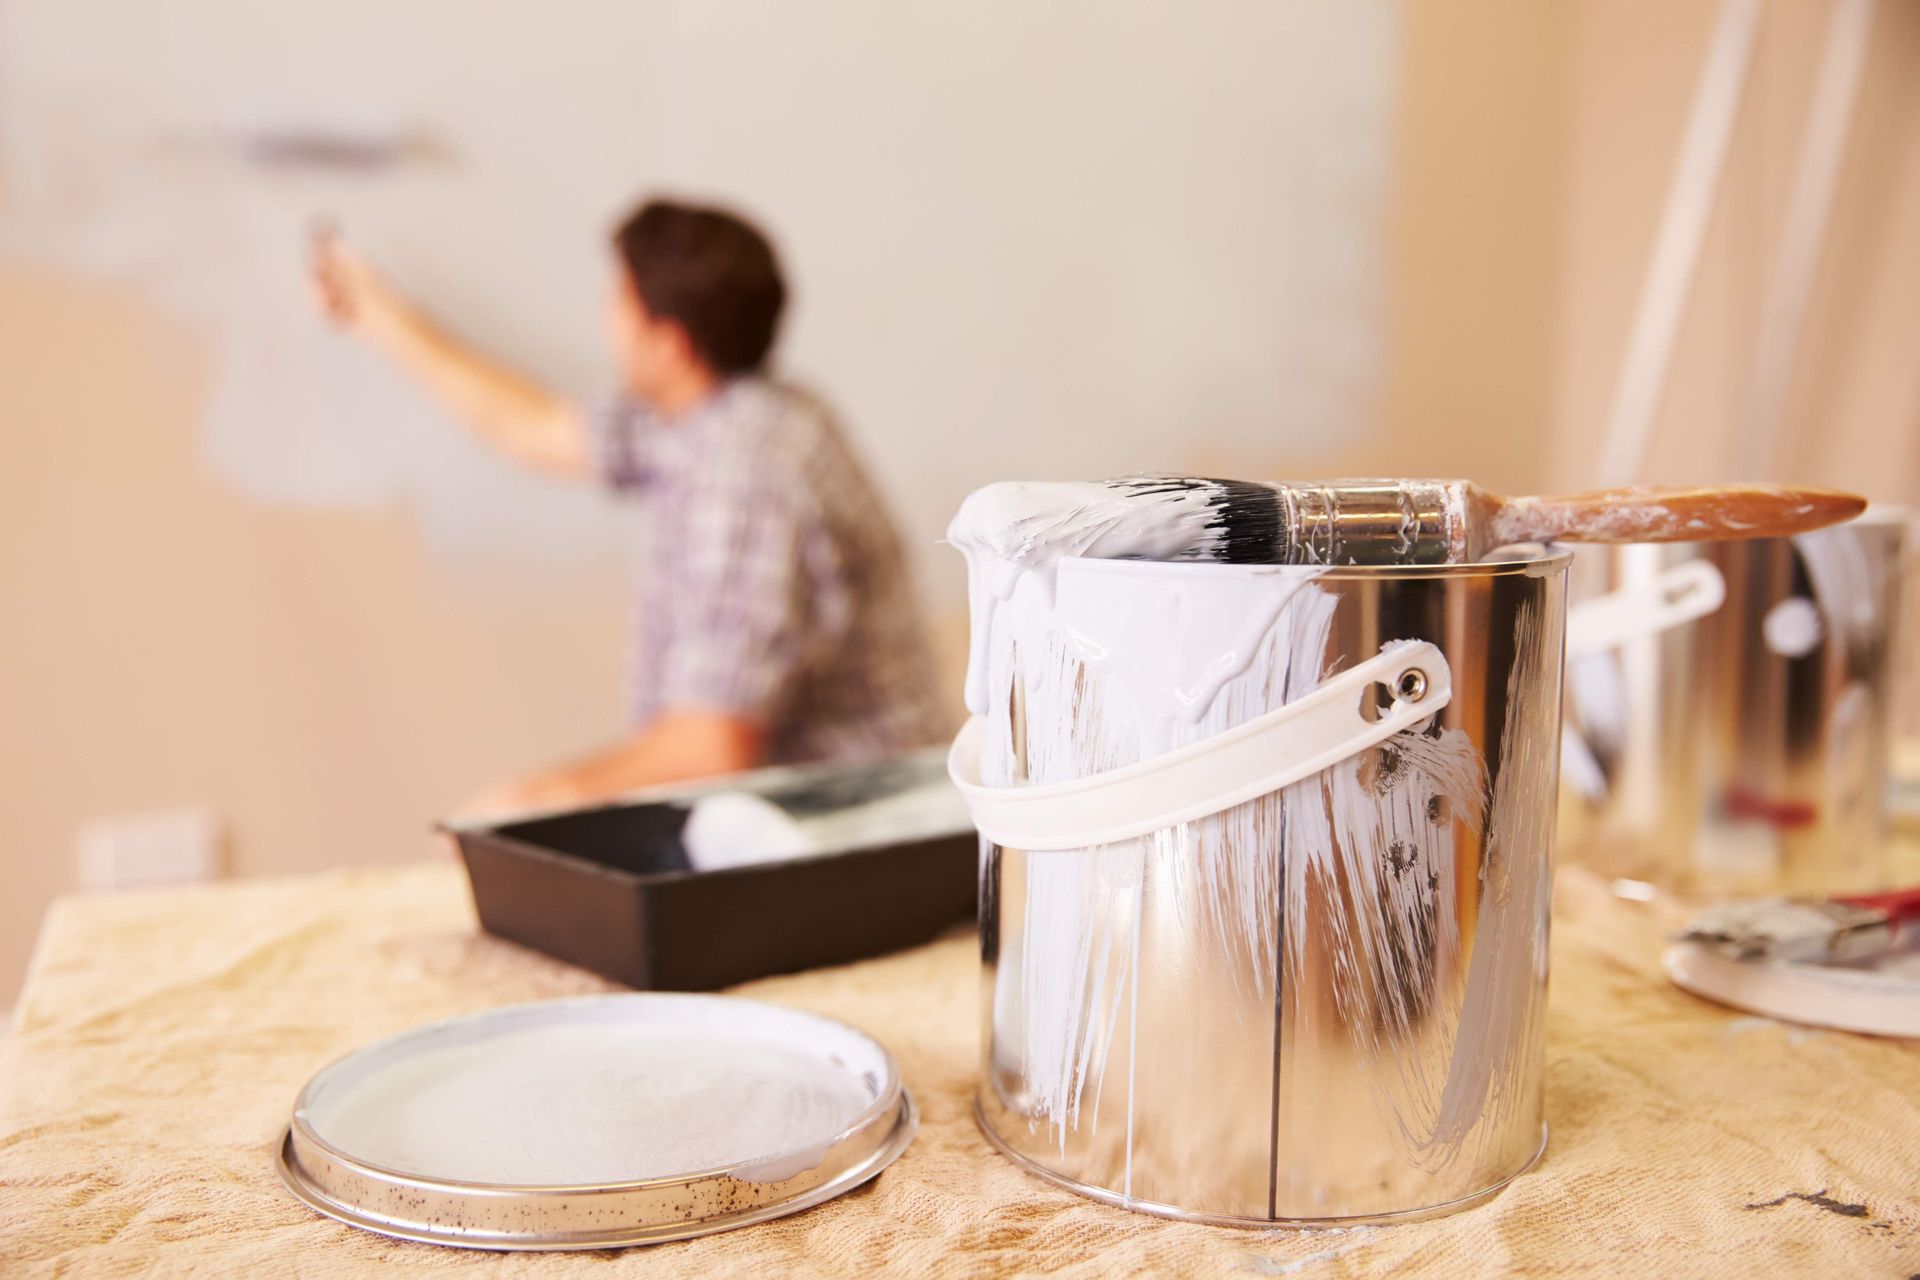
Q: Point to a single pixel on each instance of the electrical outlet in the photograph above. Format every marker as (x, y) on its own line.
(177, 846)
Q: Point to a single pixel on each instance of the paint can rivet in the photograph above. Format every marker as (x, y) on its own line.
(1412, 685)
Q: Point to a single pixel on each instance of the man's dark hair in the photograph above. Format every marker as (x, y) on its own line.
(711, 272)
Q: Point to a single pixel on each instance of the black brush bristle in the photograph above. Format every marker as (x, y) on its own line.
(1252, 518)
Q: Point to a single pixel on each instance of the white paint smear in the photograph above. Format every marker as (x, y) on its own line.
(1015, 534)
(1100, 665)
(1499, 1040)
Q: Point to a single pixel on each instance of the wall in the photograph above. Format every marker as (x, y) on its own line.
(314, 676)
(244, 568)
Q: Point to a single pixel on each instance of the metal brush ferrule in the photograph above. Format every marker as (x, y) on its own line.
(1370, 522)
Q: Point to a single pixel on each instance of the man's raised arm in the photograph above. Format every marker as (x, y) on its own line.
(515, 414)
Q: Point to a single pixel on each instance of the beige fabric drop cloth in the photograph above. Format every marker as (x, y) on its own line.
(162, 1037)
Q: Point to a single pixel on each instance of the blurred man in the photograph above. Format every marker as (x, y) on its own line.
(776, 621)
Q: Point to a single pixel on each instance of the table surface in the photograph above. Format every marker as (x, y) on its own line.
(162, 1036)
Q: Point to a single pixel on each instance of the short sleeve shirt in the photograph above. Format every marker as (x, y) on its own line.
(772, 584)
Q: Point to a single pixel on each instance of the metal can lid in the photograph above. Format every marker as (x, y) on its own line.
(595, 1123)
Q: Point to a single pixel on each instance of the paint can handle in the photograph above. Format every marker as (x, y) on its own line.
(1405, 685)
(1683, 593)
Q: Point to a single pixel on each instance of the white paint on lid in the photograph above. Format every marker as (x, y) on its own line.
(618, 1089)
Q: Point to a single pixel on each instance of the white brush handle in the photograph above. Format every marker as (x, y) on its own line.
(1263, 755)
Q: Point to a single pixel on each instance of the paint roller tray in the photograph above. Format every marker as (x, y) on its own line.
(890, 859)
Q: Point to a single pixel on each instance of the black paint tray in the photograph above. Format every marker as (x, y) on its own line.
(611, 889)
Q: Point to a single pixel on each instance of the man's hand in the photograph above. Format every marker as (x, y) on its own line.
(678, 746)
(350, 292)
(509, 800)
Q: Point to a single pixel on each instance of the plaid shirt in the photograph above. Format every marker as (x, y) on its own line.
(773, 584)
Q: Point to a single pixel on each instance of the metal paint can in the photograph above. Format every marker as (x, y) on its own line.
(1630, 774)
(1317, 1002)
(1745, 751)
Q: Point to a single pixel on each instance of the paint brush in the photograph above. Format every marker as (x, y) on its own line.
(1365, 521)
(1806, 929)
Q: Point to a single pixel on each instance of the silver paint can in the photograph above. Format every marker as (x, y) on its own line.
(1630, 775)
(1273, 950)
(1744, 750)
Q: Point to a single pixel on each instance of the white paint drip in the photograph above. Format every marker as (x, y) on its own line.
(1108, 665)
(1015, 533)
